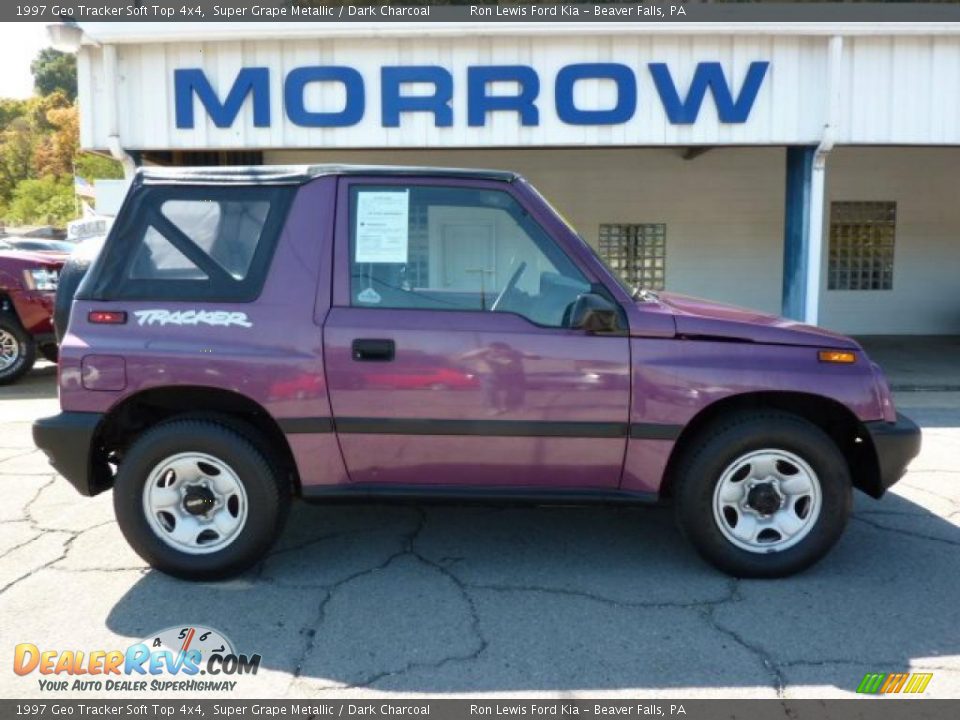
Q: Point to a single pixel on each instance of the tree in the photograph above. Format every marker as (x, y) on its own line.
(17, 142)
(10, 110)
(53, 70)
(43, 200)
(97, 167)
(55, 152)
(39, 147)
(39, 106)
(26, 146)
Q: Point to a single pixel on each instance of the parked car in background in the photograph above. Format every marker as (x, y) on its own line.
(58, 247)
(45, 232)
(28, 285)
(250, 335)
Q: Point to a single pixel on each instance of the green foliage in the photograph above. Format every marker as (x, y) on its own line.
(93, 167)
(46, 200)
(55, 71)
(17, 143)
(39, 152)
(10, 110)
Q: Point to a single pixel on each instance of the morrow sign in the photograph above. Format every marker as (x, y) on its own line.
(484, 94)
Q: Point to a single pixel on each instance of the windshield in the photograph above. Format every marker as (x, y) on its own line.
(631, 290)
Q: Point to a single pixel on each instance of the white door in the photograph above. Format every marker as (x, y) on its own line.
(469, 262)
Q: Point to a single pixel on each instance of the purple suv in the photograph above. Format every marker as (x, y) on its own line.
(251, 335)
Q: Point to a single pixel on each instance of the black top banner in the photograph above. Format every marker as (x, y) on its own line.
(678, 11)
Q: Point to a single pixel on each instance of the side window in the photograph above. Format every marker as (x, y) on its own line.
(195, 243)
(451, 248)
(228, 230)
(158, 258)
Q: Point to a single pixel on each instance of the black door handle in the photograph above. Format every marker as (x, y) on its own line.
(374, 350)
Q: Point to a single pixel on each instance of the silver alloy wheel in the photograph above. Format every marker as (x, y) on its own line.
(767, 501)
(195, 503)
(9, 350)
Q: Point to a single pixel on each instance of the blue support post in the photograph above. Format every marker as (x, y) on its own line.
(796, 231)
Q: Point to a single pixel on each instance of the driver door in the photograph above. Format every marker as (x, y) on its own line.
(448, 356)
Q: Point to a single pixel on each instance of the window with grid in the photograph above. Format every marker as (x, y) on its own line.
(637, 252)
(862, 236)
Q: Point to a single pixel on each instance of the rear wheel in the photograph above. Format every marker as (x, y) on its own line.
(17, 350)
(763, 495)
(198, 500)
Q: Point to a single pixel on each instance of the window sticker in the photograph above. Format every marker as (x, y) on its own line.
(370, 296)
(382, 226)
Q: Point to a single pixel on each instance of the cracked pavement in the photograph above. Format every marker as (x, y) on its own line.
(558, 602)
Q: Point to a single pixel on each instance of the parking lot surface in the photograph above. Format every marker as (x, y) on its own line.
(552, 602)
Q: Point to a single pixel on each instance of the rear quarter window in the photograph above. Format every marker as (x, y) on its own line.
(192, 243)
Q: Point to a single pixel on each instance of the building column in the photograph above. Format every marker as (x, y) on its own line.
(803, 233)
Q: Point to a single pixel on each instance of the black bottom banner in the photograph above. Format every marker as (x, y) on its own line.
(881, 708)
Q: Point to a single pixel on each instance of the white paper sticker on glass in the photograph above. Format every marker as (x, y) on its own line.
(382, 226)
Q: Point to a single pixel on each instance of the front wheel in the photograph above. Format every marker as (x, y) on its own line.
(763, 495)
(199, 500)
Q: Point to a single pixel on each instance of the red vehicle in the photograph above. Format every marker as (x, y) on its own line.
(28, 286)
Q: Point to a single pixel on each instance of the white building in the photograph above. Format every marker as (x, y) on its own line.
(804, 169)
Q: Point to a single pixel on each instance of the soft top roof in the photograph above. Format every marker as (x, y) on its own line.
(299, 174)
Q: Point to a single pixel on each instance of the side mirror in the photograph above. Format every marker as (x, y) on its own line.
(594, 313)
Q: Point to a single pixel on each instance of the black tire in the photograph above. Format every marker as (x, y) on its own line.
(268, 496)
(724, 442)
(50, 352)
(25, 349)
(71, 275)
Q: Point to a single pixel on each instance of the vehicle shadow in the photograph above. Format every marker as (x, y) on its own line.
(38, 384)
(446, 599)
(932, 417)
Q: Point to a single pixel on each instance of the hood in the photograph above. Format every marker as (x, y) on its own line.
(695, 317)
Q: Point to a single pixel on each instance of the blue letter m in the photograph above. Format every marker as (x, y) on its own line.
(708, 75)
(255, 81)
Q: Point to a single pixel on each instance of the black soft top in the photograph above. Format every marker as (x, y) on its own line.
(299, 174)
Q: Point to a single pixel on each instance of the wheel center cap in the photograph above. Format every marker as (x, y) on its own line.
(764, 498)
(198, 501)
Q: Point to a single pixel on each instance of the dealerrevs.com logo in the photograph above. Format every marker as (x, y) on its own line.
(184, 658)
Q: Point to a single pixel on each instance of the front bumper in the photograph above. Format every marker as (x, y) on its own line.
(896, 444)
(67, 441)
(35, 310)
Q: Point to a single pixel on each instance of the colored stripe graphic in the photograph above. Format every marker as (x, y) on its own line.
(871, 683)
(918, 683)
(187, 641)
(887, 683)
(894, 683)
